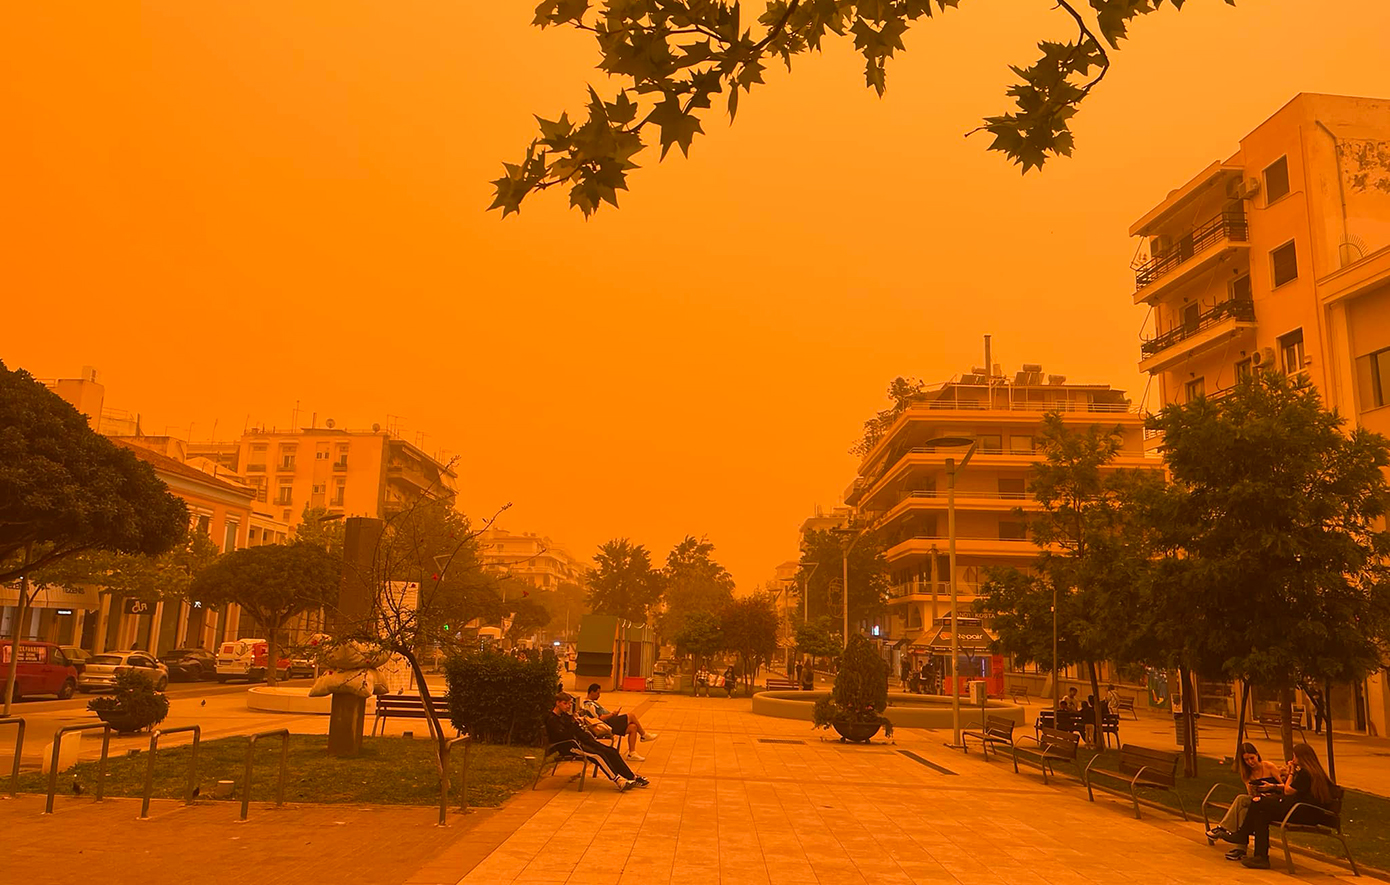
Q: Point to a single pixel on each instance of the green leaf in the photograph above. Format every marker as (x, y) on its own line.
(677, 126)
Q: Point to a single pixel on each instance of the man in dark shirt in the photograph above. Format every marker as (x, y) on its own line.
(562, 728)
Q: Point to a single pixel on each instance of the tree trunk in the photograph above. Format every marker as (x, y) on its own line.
(1286, 714)
(1189, 722)
(1240, 722)
(272, 652)
(13, 674)
(1095, 703)
(1327, 709)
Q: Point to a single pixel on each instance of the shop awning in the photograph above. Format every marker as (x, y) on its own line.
(84, 596)
(973, 639)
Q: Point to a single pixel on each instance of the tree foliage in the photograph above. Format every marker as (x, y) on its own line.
(902, 392)
(673, 58)
(273, 584)
(498, 697)
(861, 689)
(322, 528)
(692, 581)
(820, 578)
(151, 578)
(819, 638)
(749, 628)
(623, 583)
(700, 635)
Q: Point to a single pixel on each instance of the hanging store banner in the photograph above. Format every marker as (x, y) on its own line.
(54, 596)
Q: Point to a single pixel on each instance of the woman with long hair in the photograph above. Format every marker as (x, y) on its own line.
(1259, 777)
(1303, 783)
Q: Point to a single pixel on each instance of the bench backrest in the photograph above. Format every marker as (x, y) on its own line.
(1126, 702)
(1018, 691)
(1160, 766)
(1062, 744)
(998, 726)
(407, 702)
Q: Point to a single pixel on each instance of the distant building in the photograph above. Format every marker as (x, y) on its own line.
(540, 563)
(1279, 256)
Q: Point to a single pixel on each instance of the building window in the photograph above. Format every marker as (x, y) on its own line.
(286, 493)
(1276, 180)
(339, 492)
(204, 524)
(1284, 264)
(1021, 445)
(991, 445)
(1195, 389)
(1191, 317)
(1240, 288)
(1373, 379)
(1291, 351)
(1243, 369)
(1013, 531)
(258, 447)
(229, 536)
(1012, 487)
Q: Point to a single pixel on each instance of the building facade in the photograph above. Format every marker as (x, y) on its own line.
(902, 491)
(1279, 257)
(545, 567)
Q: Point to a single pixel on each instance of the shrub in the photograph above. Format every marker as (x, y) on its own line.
(135, 704)
(861, 690)
(499, 698)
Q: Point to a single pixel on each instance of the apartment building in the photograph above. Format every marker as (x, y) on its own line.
(902, 490)
(353, 472)
(545, 567)
(1279, 256)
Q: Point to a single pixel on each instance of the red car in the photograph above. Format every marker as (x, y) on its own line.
(43, 669)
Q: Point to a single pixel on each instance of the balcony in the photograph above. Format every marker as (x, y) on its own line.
(922, 590)
(919, 545)
(1212, 327)
(255, 468)
(285, 467)
(1198, 250)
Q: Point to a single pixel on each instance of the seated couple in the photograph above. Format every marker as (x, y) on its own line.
(566, 735)
(621, 723)
(1270, 792)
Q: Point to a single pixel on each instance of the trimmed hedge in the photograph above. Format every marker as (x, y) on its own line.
(500, 699)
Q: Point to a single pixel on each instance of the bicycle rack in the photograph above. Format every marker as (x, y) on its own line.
(18, 747)
(467, 741)
(284, 735)
(57, 746)
(192, 765)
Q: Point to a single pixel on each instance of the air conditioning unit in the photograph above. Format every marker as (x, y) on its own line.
(1245, 189)
(1263, 358)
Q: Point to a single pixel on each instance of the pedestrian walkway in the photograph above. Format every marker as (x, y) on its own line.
(736, 799)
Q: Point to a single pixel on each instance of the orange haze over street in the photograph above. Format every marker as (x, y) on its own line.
(231, 208)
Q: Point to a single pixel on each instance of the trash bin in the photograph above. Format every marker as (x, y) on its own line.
(978, 692)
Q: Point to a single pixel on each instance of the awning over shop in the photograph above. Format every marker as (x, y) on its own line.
(54, 596)
(973, 639)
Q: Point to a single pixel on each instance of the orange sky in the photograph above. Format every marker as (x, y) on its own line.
(228, 207)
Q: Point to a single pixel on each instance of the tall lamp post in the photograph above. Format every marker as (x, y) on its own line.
(844, 579)
(952, 468)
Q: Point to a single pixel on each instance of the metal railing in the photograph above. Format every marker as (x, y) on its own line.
(1229, 225)
(192, 765)
(57, 748)
(943, 588)
(1231, 308)
(945, 539)
(284, 735)
(467, 741)
(18, 748)
(963, 494)
(1025, 406)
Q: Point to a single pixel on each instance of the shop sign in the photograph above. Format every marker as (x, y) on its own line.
(135, 606)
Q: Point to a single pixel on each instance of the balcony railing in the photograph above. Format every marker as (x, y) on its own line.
(924, 588)
(255, 468)
(1229, 225)
(962, 493)
(340, 465)
(285, 466)
(943, 540)
(1232, 308)
(1026, 406)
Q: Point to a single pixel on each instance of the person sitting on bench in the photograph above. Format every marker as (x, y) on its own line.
(620, 722)
(562, 729)
(1304, 781)
(1258, 776)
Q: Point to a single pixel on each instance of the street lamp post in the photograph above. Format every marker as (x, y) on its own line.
(952, 468)
(844, 578)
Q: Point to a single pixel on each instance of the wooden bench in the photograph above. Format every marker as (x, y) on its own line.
(997, 731)
(563, 755)
(1125, 704)
(1052, 746)
(1110, 724)
(1331, 826)
(777, 683)
(1265, 720)
(1018, 693)
(407, 706)
(1139, 767)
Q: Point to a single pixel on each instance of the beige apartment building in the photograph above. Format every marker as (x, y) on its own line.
(1279, 256)
(901, 490)
(541, 564)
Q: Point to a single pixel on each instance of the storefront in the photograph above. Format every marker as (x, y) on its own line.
(56, 614)
(975, 660)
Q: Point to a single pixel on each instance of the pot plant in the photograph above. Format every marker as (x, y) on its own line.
(134, 705)
(855, 707)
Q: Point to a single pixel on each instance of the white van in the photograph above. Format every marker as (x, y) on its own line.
(246, 659)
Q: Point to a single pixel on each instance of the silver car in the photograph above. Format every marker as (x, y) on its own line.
(101, 670)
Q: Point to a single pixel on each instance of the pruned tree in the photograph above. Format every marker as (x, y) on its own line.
(273, 583)
(672, 58)
(819, 638)
(692, 581)
(749, 628)
(623, 582)
(65, 490)
(699, 636)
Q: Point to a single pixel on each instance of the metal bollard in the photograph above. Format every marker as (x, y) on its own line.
(57, 746)
(18, 748)
(192, 765)
(467, 741)
(284, 735)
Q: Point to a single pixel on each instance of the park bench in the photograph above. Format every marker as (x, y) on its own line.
(1052, 746)
(1276, 720)
(1139, 767)
(406, 706)
(1125, 704)
(997, 731)
(778, 683)
(1110, 724)
(563, 752)
(1331, 825)
(1018, 693)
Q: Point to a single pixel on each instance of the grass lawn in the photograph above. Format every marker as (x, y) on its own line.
(389, 771)
(1365, 816)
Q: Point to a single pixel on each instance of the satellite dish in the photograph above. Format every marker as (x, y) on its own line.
(376, 428)
(330, 423)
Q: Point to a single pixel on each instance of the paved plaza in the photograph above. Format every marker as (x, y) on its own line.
(735, 798)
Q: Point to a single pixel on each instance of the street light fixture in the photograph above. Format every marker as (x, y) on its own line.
(844, 580)
(952, 468)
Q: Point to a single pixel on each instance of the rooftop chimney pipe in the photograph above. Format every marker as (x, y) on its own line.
(989, 366)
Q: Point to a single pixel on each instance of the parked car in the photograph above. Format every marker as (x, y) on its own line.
(43, 669)
(246, 659)
(101, 671)
(301, 667)
(189, 664)
(78, 657)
